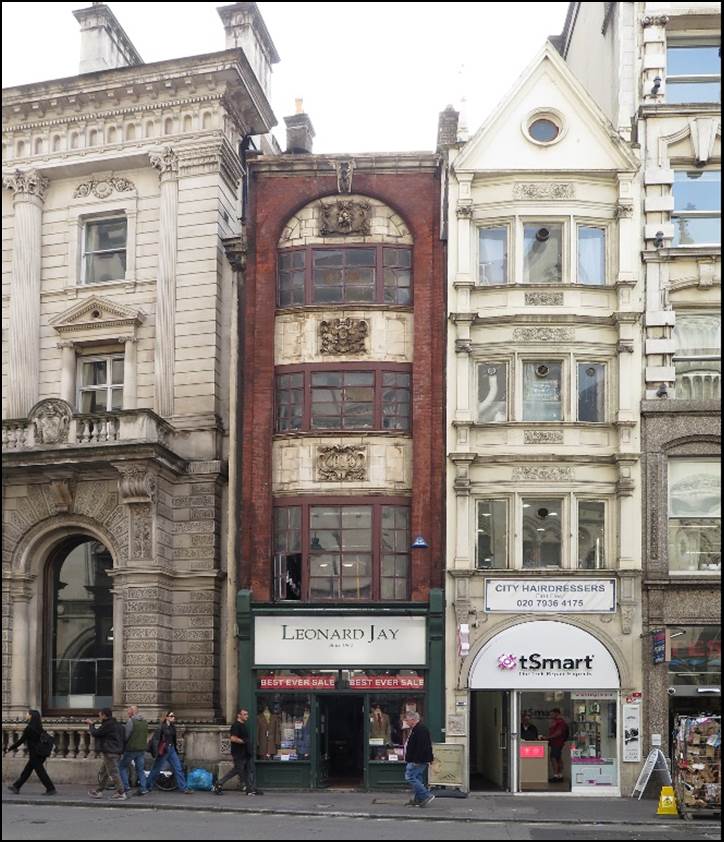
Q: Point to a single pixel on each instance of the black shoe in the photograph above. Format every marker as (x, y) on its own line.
(254, 792)
(218, 790)
(52, 791)
(14, 789)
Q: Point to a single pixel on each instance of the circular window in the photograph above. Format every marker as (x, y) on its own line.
(543, 130)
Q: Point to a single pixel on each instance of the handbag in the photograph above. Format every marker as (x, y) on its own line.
(162, 746)
(45, 746)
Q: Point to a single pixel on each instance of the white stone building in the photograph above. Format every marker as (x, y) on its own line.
(122, 252)
(545, 297)
(664, 83)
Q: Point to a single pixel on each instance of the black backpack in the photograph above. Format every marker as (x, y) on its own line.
(46, 744)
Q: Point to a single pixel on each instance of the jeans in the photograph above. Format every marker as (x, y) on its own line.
(414, 775)
(244, 768)
(137, 759)
(172, 758)
(109, 771)
(35, 764)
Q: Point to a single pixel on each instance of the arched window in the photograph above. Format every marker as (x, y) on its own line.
(168, 125)
(79, 670)
(56, 143)
(188, 123)
(39, 146)
(131, 132)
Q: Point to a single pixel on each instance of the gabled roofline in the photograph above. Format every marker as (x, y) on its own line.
(550, 53)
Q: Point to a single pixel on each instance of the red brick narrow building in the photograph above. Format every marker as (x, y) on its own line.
(342, 461)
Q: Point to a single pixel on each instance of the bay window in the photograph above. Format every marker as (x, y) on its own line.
(591, 255)
(697, 357)
(342, 550)
(542, 391)
(492, 391)
(542, 532)
(493, 255)
(591, 534)
(697, 207)
(694, 514)
(492, 544)
(591, 392)
(693, 70)
(542, 253)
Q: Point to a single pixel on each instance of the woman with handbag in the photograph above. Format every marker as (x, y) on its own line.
(37, 742)
(164, 750)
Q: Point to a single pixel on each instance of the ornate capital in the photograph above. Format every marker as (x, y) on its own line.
(343, 336)
(29, 183)
(103, 187)
(50, 420)
(544, 190)
(341, 462)
(345, 171)
(344, 217)
(464, 345)
(464, 211)
(624, 210)
(236, 250)
(166, 161)
(137, 484)
(542, 473)
(654, 20)
(625, 346)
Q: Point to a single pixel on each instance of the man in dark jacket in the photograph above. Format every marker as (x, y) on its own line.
(418, 756)
(134, 749)
(241, 755)
(108, 734)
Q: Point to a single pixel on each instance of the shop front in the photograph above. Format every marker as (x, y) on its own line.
(328, 690)
(545, 710)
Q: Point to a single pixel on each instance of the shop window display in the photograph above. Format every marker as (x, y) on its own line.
(283, 727)
(593, 743)
(388, 731)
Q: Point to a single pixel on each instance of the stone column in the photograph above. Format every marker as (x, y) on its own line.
(22, 646)
(29, 189)
(130, 400)
(166, 163)
(67, 371)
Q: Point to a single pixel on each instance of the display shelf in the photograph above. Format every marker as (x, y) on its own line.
(697, 765)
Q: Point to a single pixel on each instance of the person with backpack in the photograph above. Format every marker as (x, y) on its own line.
(134, 752)
(164, 749)
(558, 734)
(108, 734)
(40, 747)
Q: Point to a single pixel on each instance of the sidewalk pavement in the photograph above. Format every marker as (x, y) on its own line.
(538, 809)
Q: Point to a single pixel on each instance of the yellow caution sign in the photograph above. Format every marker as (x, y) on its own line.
(667, 802)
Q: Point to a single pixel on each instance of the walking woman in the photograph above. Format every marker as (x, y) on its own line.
(165, 750)
(31, 737)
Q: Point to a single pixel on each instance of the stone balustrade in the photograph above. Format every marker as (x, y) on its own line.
(72, 739)
(122, 427)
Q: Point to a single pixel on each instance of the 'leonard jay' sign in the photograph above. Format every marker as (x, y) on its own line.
(340, 641)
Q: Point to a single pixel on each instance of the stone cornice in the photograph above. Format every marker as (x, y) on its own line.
(324, 165)
(225, 74)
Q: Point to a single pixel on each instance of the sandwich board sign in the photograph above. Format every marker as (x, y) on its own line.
(654, 762)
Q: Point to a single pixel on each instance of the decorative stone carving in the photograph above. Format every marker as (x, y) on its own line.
(654, 20)
(624, 210)
(30, 183)
(236, 249)
(627, 617)
(345, 171)
(141, 531)
(341, 462)
(464, 211)
(62, 492)
(543, 334)
(343, 336)
(542, 473)
(166, 161)
(464, 346)
(542, 299)
(137, 484)
(344, 217)
(102, 188)
(625, 346)
(50, 420)
(544, 190)
(606, 618)
(543, 437)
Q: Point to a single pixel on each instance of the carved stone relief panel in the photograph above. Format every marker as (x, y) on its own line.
(343, 336)
(141, 530)
(543, 473)
(543, 437)
(543, 334)
(340, 463)
(50, 420)
(541, 299)
(102, 188)
(544, 190)
(344, 217)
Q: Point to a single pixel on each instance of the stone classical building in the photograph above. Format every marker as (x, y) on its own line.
(341, 623)
(122, 247)
(658, 73)
(543, 437)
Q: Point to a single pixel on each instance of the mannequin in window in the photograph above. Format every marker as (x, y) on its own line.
(380, 725)
(302, 734)
(268, 733)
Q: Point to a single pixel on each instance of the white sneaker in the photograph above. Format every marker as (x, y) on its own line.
(427, 801)
(119, 796)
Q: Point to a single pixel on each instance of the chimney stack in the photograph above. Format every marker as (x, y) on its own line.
(245, 29)
(300, 131)
(103, 43)
(447, 128)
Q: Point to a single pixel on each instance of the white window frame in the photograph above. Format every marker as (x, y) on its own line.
(509, 363)
(564, 360)
(600, 225)
(543, 222)
(92, 220)
(508, 502)
(594, 360)
(694, 214)
(703, 357)
(509, 258)
(701, 40)
(564, 497)
(577, 499)
(669, 518)
(109, 388)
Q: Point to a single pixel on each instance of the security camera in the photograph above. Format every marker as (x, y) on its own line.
(671, 691)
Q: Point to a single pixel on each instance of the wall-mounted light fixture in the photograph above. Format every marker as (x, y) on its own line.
(419, 544)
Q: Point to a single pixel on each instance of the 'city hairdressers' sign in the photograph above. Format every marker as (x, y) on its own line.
(340, 641)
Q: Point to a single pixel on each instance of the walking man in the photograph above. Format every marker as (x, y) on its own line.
(108, 734)
(418, 756)
(558, 734)
(136, 738)
(241, 756)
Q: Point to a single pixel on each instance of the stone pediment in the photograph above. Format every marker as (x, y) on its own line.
(96, 313)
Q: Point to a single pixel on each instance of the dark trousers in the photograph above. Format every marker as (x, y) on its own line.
(244, 768)
(35, 764)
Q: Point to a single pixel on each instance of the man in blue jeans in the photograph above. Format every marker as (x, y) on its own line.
(134, 752)
(418, 756)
